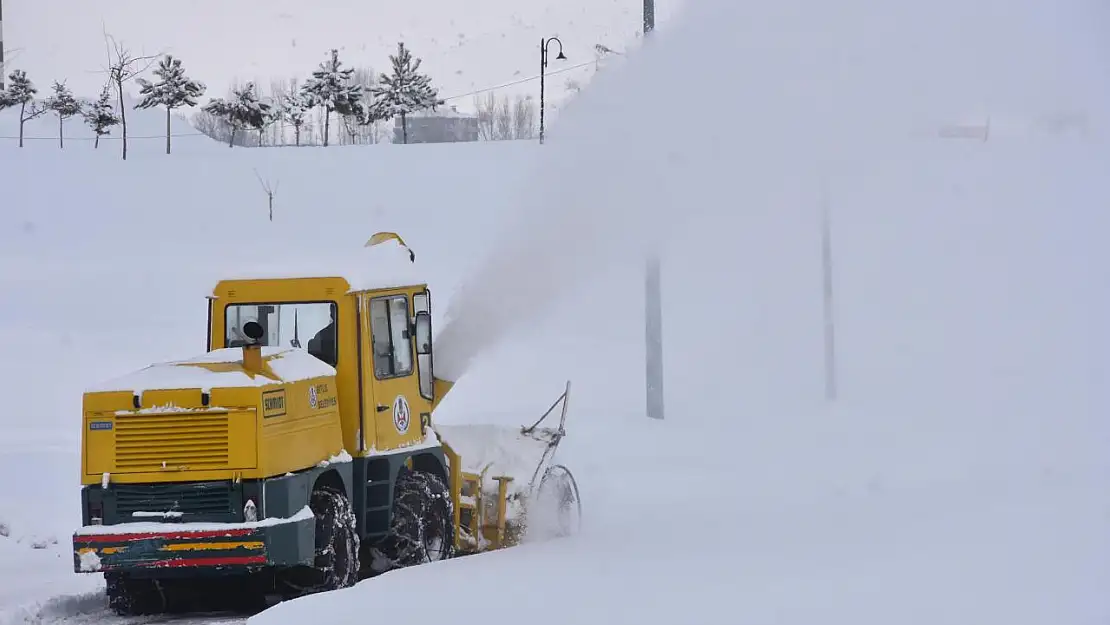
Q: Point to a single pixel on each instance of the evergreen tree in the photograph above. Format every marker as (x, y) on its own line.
(21, 92)
(294, 108)
(173, 90)
(330, 87)
(242, 110)
(404, 91)
(64, 106)
(101, 116)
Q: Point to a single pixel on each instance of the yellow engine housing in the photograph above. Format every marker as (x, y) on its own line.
(219, 420)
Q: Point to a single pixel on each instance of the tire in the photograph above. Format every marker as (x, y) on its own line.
(134, 597)
(423, 526)
(336, 564)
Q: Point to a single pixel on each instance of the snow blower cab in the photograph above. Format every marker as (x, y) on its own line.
(297, 454)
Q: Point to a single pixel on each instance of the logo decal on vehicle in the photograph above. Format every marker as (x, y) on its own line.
(312, 397)
(401, 416)
(273, 403)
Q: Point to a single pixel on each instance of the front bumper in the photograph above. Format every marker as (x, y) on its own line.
(212, 546)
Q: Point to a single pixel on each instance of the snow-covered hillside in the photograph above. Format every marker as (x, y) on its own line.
(960, 476)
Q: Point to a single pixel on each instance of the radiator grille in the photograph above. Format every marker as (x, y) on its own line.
(206, 499)
(186, 441)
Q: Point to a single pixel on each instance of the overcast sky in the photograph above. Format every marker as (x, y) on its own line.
(465, 45)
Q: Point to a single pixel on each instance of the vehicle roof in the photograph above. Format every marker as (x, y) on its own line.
(362, 269)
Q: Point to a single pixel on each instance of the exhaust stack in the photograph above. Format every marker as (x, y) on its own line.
(252, 352)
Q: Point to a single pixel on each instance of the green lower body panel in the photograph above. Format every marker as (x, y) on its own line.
(211, 546)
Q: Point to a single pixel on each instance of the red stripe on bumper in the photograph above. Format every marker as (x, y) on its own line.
(122, 538)
(232, 561)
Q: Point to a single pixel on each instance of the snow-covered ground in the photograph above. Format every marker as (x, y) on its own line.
(960, 476)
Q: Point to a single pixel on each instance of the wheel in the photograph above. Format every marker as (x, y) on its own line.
(336, 563)
(336, 539)
(423, 523)
(134, 597)
(556, 511)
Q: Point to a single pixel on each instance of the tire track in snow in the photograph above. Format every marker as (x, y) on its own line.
(92, 608)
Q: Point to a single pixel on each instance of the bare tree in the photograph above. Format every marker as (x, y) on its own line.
(269, 190)
(503, 119)
(216, 128)
(524, 117)
(124, 66)
(279, 90)
(486, 107)
(500, 119)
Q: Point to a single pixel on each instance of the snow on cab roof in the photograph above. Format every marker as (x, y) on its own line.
(383, 266)
(221, 368)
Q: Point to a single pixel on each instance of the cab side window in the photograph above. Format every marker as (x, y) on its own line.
(389, 325)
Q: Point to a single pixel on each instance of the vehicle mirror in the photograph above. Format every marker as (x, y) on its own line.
(423, 333)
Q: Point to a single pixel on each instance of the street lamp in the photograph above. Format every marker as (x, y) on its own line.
(543, 66)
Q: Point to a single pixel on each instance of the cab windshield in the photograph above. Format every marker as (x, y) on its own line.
(309, 325)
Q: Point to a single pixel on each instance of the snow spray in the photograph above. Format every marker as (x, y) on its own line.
(732, 108)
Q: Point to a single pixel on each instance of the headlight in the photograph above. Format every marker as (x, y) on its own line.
(250, 512)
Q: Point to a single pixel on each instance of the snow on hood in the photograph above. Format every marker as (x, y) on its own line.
(289, 364)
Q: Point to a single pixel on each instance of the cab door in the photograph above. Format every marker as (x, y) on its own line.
(394, 403)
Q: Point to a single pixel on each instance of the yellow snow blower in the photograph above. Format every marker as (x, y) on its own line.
(280, 470)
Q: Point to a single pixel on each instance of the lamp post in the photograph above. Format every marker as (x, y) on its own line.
(543, 66)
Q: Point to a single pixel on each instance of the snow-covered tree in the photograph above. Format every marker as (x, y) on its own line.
(242, 110)
(101, 116)
(294, 109)
(331, 88)
(21, 92)
(404, 91)
(172, 90)
(64, 106)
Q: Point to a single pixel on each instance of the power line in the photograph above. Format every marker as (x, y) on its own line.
(519, 81)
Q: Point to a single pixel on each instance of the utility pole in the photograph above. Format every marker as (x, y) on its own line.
(827, 275)
(3, 73)
(653, 299)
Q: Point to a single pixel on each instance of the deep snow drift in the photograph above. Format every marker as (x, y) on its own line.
(960, 477)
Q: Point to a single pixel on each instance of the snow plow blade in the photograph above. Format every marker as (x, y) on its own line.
(246, 546)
